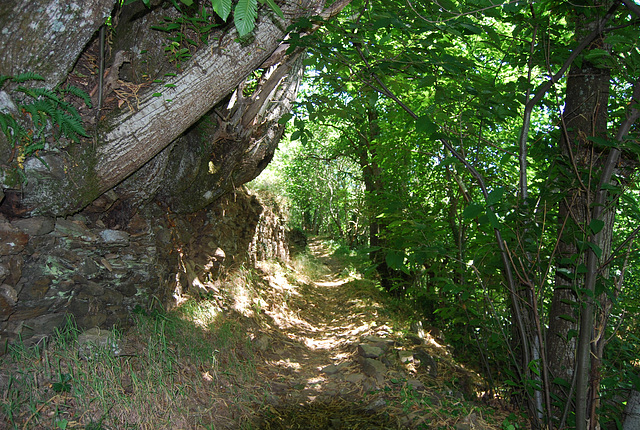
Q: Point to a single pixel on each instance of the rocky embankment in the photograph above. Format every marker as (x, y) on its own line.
(99, 266)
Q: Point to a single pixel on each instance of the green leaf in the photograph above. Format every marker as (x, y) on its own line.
(245, 15)
(222, 8)
(425, 125)
(596, 249)
(472, 211)
(603, 142)
(596, 226)
(285, 118)
(495, 196)
(395, 260)
(493, 219)
(187, 2)
(562, 382)
(567, 318)
(275, 8)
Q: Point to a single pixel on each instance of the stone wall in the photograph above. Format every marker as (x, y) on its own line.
(100, 266)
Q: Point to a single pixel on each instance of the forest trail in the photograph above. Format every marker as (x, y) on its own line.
(337, 356)
(307, 344)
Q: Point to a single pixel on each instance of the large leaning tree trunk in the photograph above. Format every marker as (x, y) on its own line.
(65, 181)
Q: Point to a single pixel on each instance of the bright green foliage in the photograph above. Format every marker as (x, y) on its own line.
(222, 8)
(244, 16)
(432, 97)
(199, 19)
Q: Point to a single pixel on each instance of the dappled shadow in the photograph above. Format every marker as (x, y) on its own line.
(337, 414)
(316, 324)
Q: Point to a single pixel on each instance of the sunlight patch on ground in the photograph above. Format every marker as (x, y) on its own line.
(285, 364)
(201, 313)
(285, 318)
(331, 284)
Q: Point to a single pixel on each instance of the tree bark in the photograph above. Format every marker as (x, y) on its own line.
(585, 116)
(127, 141)
(584, 209)
(46, 37)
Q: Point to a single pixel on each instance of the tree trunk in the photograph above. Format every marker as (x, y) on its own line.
(585, 115)
(131, 138)
(46, 37)
(586, 221)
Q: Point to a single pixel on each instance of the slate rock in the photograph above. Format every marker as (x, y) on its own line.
(405, 356)
(37, 289)
(374, 369)
(36, 226)
(355, 378)
(8, 299)
(381, 342)
(74, 229)
(12, 240)
(376, 405)
(115, 237)
(331, 369)
(369, 351)
(93, 341)
(42, 325)
(426, 361)
(416, 384)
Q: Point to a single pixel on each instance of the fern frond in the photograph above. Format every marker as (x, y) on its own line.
(72, 127)
(33, 146)
(245, 15)
(75, 91)
(4, 78)
(33, 110)
(43, 92)
(27, 76)
(10, 128)
(45, 106)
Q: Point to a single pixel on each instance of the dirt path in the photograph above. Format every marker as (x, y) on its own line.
(336, 358)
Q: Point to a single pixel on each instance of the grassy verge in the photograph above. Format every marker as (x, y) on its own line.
(172, 370)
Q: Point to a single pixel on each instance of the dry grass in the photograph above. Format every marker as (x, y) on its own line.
(246, 357)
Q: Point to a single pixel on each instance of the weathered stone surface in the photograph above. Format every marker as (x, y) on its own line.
(12, 240)
(355, 378)
(8, 300)
(94, 341)
(405, 356)
(115, 237)
(376, 405)
(15, 264)
(28, 313)
(416, 384)
(43, 325)
(380, 342)
(99, 275)
(75, 230)
(331, 369)
(374, 368)
(369, 351)
(36, 290)
(427, 361)
(36, 226)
